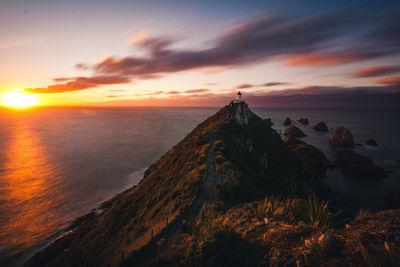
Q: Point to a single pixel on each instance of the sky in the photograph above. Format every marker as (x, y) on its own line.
(200, 53)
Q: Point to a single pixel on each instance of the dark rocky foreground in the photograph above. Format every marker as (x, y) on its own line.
(247, 199)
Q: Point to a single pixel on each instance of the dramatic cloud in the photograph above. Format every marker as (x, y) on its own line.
(299, 41)
(173, 93)
(78, 83)
(375, 71)
(325, 39)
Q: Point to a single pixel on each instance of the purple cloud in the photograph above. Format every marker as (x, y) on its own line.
(274, 84)
(245, 85)
(301, 41)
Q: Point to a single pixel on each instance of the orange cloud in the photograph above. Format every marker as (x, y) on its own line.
(327, 58)
(395, 80)
(78, 83)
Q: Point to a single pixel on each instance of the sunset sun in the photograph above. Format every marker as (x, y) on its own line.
(18, 100)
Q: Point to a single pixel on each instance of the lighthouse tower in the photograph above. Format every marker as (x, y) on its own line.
(238, 98)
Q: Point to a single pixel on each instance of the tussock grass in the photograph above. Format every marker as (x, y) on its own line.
(311, 210)
(316, 211)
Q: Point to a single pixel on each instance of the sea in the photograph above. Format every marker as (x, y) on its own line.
(59, 163)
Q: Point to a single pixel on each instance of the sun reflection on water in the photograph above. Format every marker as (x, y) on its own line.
(25, 192)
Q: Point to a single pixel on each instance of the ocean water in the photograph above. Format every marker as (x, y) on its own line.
(58, 163)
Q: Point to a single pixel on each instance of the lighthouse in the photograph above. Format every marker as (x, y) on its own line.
(238, 98)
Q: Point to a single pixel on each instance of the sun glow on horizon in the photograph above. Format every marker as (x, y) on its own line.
(19, 100)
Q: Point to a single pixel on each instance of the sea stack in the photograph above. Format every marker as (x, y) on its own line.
(341, 137)
(287, 121)
(321, 127)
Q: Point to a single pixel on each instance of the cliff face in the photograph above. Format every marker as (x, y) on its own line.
(233, 155)
(251, 159)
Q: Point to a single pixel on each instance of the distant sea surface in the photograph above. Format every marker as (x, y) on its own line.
(58, 163)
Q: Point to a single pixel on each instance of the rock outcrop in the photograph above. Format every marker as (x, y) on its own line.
(304, 121)
(341, 137)
(268, 122)
(312, 161)
(294, 132)
(287, 121)
(371, 142)
(242, 113)
(359, 166)
(321, 126)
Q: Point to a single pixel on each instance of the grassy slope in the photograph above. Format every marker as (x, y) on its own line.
(169, 187)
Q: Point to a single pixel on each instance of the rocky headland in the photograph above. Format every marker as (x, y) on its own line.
(231, 193)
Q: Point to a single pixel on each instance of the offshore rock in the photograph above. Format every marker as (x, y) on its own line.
(312, 161)
(341, 137)
(287, 121)
(304, 121)
(371, 142)
(321, 126)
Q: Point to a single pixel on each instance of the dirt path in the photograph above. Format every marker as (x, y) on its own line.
(151, 250)
(209, 182)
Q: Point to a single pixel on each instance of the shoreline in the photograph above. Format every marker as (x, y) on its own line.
(25, 255)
